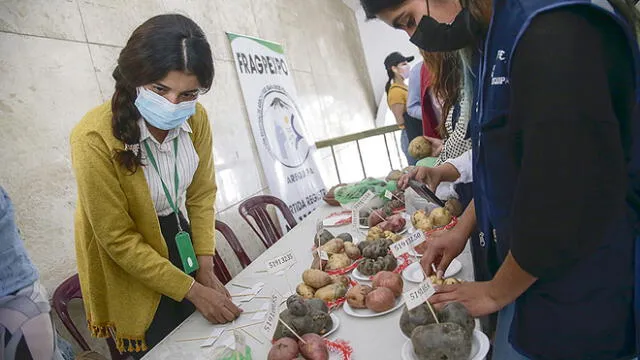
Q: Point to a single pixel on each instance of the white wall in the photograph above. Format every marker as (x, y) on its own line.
(378, 40)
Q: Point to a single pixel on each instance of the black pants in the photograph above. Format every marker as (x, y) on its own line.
(170, 313)
(413, 126)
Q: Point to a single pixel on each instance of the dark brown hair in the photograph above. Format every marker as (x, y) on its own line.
(161, 44)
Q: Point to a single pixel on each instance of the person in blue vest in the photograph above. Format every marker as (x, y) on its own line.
(556, 164)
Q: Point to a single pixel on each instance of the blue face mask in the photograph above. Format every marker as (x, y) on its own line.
(162, 113)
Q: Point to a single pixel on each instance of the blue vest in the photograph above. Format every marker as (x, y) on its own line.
(571, 316)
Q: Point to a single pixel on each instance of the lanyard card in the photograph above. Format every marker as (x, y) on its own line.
(187, 254)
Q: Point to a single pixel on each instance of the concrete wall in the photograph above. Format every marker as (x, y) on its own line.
(56, 58)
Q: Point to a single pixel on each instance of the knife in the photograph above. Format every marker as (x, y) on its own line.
(425, 192)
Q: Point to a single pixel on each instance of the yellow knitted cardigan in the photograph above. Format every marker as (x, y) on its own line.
(122, 257)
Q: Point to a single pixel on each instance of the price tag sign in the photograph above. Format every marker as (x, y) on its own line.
(388, 194)
(281, 262)
(416, 238)
(323, 255)
(417, 296)
(401, 247)
(362, 202)
(271, 320)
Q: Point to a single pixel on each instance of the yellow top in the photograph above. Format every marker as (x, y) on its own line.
(398, 94)
(122, 257)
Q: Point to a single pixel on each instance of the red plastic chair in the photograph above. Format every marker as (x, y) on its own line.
(267, 230)
(233, 241)
(65, 292)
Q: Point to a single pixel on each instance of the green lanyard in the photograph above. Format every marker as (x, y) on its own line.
(173, 203)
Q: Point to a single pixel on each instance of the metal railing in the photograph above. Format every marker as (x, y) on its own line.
(356, 137)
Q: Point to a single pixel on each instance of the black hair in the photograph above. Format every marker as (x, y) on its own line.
(161, 44)
(391, 76)
(373, 7)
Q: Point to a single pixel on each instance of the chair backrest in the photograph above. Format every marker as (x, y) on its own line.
(267, 230)
(220, 269)
(233, 241)
(65, 292)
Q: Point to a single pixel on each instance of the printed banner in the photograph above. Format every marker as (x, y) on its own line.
(278, 127)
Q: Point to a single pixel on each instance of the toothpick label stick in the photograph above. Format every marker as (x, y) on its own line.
(418, 295)
(271, 320)
(290, 329)
(215, 334)
(281, 262)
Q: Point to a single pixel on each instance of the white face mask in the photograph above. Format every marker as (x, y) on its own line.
(405, 70)
(162, 113)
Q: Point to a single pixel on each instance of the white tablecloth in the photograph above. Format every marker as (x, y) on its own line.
(372, 338)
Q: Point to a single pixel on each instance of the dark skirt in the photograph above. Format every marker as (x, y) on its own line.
(170, 313)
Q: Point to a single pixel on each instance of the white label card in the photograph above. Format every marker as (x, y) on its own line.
(355, 211)
(418, 295)
(388, 194)
(416, 238)
(323, 255)
(401, 246)
(271, 320)
(281, 262)
(215, 334)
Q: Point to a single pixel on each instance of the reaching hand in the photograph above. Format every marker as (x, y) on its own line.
(441, 248)
(213, 305)
(426, 175)
(436, 146)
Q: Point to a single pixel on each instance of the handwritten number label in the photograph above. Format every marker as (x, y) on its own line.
(355, 211)
(271, 319)
(418, 295)
(280, 263)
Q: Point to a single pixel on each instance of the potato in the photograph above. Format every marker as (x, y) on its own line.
(375, 233)
(394, 175)
(380, 299)
(389, 280)
(317, 263)
(318, 304)
(340, 279)
(421, 221)
(318, 323)
(356, 296)
(411, 319)
(440, 217)
(451, 281)
(436, 281)
(376, 217)
(333, 246)
(454, 207)
(316, 278)
(338, 261)
(441, 341)
(313, 348)
(352, 251)
(420, 148)
(456, 313)
(305, 291)
(331, 292)
(284, 349)
(346, 237)
(322, 237)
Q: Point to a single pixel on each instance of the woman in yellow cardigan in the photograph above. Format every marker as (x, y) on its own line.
(137, 159)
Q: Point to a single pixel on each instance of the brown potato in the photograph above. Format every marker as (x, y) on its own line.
(440, 217)
(420, 148)
(305, 291)
(331, 292)
(333, 246)
(316, 278)
(340, 279)
(352, 251)
(338, 261)
(357, 295)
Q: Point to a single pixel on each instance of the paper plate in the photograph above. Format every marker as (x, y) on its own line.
(359, 276)
(366, 313)
(413, 273)
(479, 347)
(336, 324)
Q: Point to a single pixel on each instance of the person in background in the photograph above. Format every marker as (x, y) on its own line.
(414, 122)
(398, 71)
(137, 160)
(26, 329)
(555, 269)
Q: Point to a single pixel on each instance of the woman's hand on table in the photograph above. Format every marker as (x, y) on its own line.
(441, 247)
(213, 305)
(207, 277)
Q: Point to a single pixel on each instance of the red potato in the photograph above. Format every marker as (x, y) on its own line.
(376, 217)
(389, 280)
(394, 223)
(380, 299)
(315, 348)
(284, 349)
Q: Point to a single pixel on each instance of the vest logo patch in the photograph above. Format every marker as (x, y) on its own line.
(499, 64)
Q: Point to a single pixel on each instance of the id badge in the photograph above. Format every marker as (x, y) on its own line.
(187, 254)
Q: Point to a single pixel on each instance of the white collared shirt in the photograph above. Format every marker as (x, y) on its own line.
(187, 164)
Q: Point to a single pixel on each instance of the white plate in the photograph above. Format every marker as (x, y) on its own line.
(359, 276)
(366, 313)
(413, 273)
(336, 324)
(479, 347)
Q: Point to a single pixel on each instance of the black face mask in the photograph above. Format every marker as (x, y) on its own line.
(432, 36)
